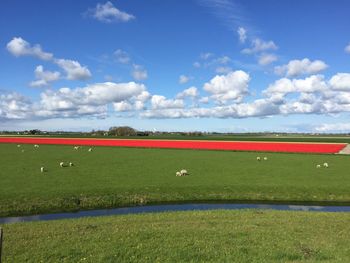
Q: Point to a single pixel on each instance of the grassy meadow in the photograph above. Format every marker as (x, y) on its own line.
(201, 236)
(112, 177)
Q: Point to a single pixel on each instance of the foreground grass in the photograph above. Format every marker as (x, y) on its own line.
(112, 177)
(205, 236)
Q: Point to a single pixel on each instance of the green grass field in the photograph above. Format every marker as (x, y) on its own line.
(206, 236)
(112, 177)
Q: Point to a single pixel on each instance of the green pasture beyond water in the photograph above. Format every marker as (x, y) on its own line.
(113, 177)
(201, 236)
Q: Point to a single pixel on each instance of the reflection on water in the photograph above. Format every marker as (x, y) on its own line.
(164, 208)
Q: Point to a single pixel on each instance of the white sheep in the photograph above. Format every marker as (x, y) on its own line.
(183, 172)
(318, 166)
(265, 158)
(76, 147)
(62, 164)
(90, 149)
(71, 164)
(18, 145)
(36, 146)
(325, 165)
(258, 158)
(22, 151)
(42, 169)
(178, 174)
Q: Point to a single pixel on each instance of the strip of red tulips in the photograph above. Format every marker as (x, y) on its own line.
(187, 144)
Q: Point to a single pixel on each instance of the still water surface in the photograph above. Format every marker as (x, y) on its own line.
(167, 208)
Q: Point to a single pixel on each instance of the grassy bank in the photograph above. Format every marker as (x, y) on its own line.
(206, 236)
(112, 177)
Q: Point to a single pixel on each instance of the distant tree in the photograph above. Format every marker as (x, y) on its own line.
(122, 131)
(35, 131)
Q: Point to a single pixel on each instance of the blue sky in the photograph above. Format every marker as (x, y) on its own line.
(209, 65)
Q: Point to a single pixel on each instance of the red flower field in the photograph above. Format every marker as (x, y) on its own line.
(188, 144)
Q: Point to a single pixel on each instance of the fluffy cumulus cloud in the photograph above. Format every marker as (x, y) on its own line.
(44, 78)
(191, 92)
(266, 59)
(108, 13)
(312, 84)
(347, 49)
(340, 81)
(301, 67)
(230, 87)
(242, 34)
(19, 47)
(259, 45)
(73, 69)
(139, 73)
(161, 102)
(14, 106)
(90, 100)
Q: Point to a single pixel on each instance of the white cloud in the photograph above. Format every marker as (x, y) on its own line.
(259, 45)
(242, 34)
(109, 13)
(90, 100)
(333, 127)
(139, 73)
(314, 83)
(301, 67)
(161, 102)
(122, 56)
(44, 78)
(73, 69)
(14, 106)
(183, 79)
(340, 81)
(19, 47)
(122, 106)
(347, 48)
(232, 86)
(266, 59)
(190, 92)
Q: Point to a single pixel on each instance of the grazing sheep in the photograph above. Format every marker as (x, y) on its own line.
(18, 145)
(318, 166)
(62, 164)
(178, 174)
(42, 169)
(71, 164)
(22, 151)
(265, 158)
(36, 146)
(258, 158)
(325, 165)
(183, 172)
(76, 147)
(90, 149)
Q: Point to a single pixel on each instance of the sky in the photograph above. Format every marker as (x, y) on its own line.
(175, 65)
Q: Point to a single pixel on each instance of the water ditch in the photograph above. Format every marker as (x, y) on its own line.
(169, 208)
